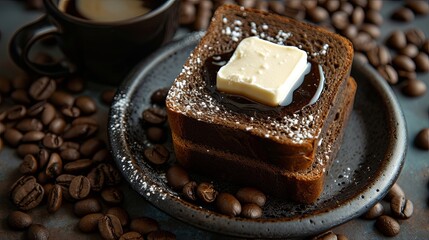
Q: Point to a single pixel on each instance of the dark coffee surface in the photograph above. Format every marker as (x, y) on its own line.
(63, 224)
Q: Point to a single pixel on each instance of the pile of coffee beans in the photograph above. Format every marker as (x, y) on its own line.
(247, 202)
(401, 208)
(54, 129)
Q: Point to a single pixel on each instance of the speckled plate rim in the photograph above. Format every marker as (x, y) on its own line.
(266, 228)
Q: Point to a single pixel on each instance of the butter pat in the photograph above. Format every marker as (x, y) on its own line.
(262, 71)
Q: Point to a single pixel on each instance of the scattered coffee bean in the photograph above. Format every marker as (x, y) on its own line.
(112, 195)
(161, 234)
(78, 166)
(43, 155)
(107, 96)
(42, 88)
(177, 177)
(80, 187)
(33, 136)
(372, 29)
(206, 192)
(379, 56)
(64, 179)
(19, 220)
(52, 141)
(374, 17)
(403, 14)
(55, 166)
(159, 96)
(48, 114)
(251, 210)
(62, 99)
(86, 104)
(410, 51)
(16, 112)
(404, 63)
(387, 226)
(86, 206)
(422, 139)
(28, 165)
(251, 195)
(89, 223)
(57, 126)
(401, 207)
(157, 154)
(112, 176)
(96, 178)
(131, 236)
(55, 198)
(91, 146)
(374, 212)
(12, 136)
(318, 14)
(154, 116)
(422, 62)
(27, 148)
(110, 227)
(102, 155)
(37, 232)
(227, 204)
(415, 36)
(144, 225)
(395, 191)
(70, 154)
(396, 40)
(70, 111)
(121, 214)
(26, 193)
(189, 190)
(414, 88)
(405, 75)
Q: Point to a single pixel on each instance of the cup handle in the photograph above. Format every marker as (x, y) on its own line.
(24, 39)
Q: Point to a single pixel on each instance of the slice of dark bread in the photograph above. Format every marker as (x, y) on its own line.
(285, 145)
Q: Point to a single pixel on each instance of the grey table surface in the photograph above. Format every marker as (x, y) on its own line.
(414, 177)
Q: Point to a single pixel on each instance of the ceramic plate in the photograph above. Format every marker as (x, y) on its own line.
(368, 163)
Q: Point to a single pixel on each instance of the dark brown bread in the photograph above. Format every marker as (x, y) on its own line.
(286, 146)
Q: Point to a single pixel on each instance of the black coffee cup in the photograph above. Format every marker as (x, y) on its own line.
(102, 51)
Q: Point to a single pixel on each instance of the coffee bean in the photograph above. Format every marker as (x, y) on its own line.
(154, 116)
(80, 187)
(70, 154)
(89, 223)
(420, 7)
(36, 109)
(414, 88)
(16, 112)
(64, 179)
(227, 204)
(144, 225)
(318, 14)
(55, 165)
(251, 210)
(66, 194)
(131, 236)
(85, 120)
(47, 187)
(26, 193)
(42, 88)
(52, 141)
(57, 126)
(187, 13)
(189, 190)
(404, 63)
(48, 114)
(422, 139)
(387, 226)
(37, 232)
(107, 96)
(102, 155)
(177, 177)
(12, 136)
(374, 17)
(69, 144)
(415, 36)
(157, 154)
(357, 16)
(372, 29)
(340, 20)
(86, 104)
(62, 99)
(19, 220)
(403, 14)
(396, 40)
(206, 192)
(43, 155)
(326, 236)
(361, 57)
(405, 75)
(374, 212)
(380, 55)
(75, 84)
(159, 96)
(395, 191)
(55, 198)
(112, 176)
(110, 227)
(422, 62)
(96, 179)
(91, 146)
(70, 111)
(28, 165)
(388, 73)
(161, 235)
(80, 131)
(27, 148)
(156, 134)
(112, 195)
(401, 207)
(251, 195)
(410, 51)
(86, 206)
(20, 96)
(363, 42)
(121, 214)
(33, 136)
